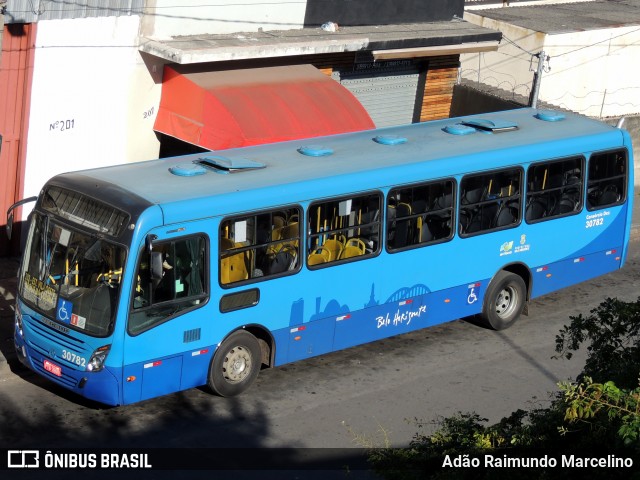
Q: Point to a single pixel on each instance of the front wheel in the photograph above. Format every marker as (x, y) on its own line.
(504, 300)
(235, 365)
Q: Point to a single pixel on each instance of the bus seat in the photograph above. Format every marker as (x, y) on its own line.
(609, 196)
(282, 261)
(319, 256)
(473, 196)
(507, 215)
(443, 201)
(419, 206)
(290, 231)
(354, 248)
(424, 231)
(568, 202)
(233, 269)
(226, 244)
(334, 247)
(278, 221)
(536, 209)
(403, 227)
(440, 226)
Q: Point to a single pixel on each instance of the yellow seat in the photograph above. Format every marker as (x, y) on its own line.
(334, 247)
(234, 267)
(354, 248)
(319, 256)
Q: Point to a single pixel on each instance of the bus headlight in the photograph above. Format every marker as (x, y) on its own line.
(19, 321)
(96, 362)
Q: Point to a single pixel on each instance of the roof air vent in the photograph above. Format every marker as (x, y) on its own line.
(550, 116)
(390, 139)
(187, 170)
(315, 151)
(459, 129)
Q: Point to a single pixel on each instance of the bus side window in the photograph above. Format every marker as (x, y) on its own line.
(489, 201)
(419, 215)
(554, 189)
(259, 245)
(179, 285)
(344, 228)
(607, 179)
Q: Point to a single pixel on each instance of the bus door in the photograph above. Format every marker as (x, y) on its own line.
(164, 350)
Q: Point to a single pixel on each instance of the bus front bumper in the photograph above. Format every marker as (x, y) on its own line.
(99, 386)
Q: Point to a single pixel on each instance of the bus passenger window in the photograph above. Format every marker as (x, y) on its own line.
(259, 245)
(345, 228)
(554, 189)
(489, 201)
(607, 179)
(170, 280)
(419, 215)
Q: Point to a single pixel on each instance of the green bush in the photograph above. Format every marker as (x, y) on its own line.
(596, 415)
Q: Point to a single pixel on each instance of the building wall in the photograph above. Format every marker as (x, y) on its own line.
(591, 72)
(93, 100)
(169, 18)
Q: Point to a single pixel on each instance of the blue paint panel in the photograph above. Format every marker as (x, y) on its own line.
(310, 339)
(161, 377)
(196, 367)
(379, 322)
(550, 278)
(132, 388)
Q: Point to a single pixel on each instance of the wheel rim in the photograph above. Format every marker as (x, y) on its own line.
(506, 302)
(237, 364)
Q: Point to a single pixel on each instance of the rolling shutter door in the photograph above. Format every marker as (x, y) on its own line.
(388, 96)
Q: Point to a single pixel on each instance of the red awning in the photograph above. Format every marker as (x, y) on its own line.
(218, 110)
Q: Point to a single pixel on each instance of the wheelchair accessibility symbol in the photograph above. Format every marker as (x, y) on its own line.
(474, 291)
(63, 311)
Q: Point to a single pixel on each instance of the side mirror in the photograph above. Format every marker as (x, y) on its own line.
(10, 213)
(148, 242)
(155, 267)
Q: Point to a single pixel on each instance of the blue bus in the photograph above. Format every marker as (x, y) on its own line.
(143, 279)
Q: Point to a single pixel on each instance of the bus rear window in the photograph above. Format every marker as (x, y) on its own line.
(607, 179)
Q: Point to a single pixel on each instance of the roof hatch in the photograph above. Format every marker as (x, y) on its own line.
(216, 163)
(486, 125)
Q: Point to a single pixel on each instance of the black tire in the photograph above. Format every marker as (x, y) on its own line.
(504, 300)
(235, 365)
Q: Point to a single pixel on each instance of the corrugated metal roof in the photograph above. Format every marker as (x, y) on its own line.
(30, 11)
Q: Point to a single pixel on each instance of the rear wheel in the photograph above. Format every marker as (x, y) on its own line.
(504, 300)
(235, 365)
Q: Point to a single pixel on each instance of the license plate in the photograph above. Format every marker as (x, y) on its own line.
(53, 368)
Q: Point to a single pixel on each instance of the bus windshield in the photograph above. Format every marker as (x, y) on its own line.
(71, 277)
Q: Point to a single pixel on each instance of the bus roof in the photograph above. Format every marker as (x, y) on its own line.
(211, 183)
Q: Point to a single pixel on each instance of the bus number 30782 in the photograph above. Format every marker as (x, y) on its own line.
(73, 358)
